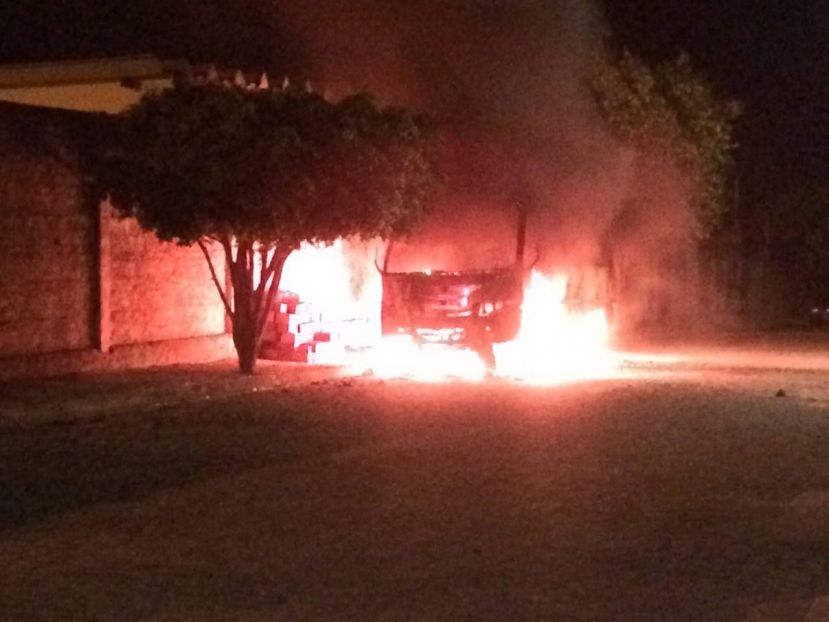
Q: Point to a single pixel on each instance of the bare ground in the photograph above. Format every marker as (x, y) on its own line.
(685, 490)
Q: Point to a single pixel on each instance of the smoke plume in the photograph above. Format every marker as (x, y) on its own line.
(509, 82)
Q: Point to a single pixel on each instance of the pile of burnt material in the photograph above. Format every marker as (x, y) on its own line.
(297, 331)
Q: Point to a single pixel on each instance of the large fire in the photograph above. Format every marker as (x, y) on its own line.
(553, 345)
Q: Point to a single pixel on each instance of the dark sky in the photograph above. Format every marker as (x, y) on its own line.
(773, 55)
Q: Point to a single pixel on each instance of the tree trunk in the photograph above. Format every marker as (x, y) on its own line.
(244, 317)
(252, 305)
(244, 338)
(243, 323)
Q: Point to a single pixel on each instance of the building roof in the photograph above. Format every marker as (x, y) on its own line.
(109, 84)
(116, 69)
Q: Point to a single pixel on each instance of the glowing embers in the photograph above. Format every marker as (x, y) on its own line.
(555, 345)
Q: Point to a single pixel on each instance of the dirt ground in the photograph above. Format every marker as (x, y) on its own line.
(694, 486)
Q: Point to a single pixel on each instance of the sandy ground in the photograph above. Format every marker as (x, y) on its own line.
(683, 490)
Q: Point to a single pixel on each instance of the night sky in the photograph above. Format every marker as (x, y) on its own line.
(773, 56)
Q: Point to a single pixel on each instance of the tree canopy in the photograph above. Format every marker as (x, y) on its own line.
(670, 112)
(271, 166)
(259, 172)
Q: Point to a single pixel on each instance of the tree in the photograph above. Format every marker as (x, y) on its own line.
(260, 171)
(672, 114)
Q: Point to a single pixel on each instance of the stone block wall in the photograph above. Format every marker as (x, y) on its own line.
(47, 227)
(79, 288)
(160, 290)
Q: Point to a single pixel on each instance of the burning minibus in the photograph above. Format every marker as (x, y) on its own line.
(507, 320)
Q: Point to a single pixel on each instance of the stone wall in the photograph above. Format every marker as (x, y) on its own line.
(47, 228)
(75, 280)
(160, 290)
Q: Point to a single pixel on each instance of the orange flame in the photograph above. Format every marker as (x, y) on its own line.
(554, 345)
(399, 356)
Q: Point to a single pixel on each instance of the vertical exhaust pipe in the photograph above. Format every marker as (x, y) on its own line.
(521, 238)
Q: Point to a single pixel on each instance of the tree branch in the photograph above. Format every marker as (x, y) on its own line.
(276, 264)
(215, 278)
(267, 270)
(264, 275)
(228, 248)
(243, 282)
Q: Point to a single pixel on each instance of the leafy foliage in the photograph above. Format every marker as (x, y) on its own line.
(259, 172)
(671, 113)
(277, 167)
